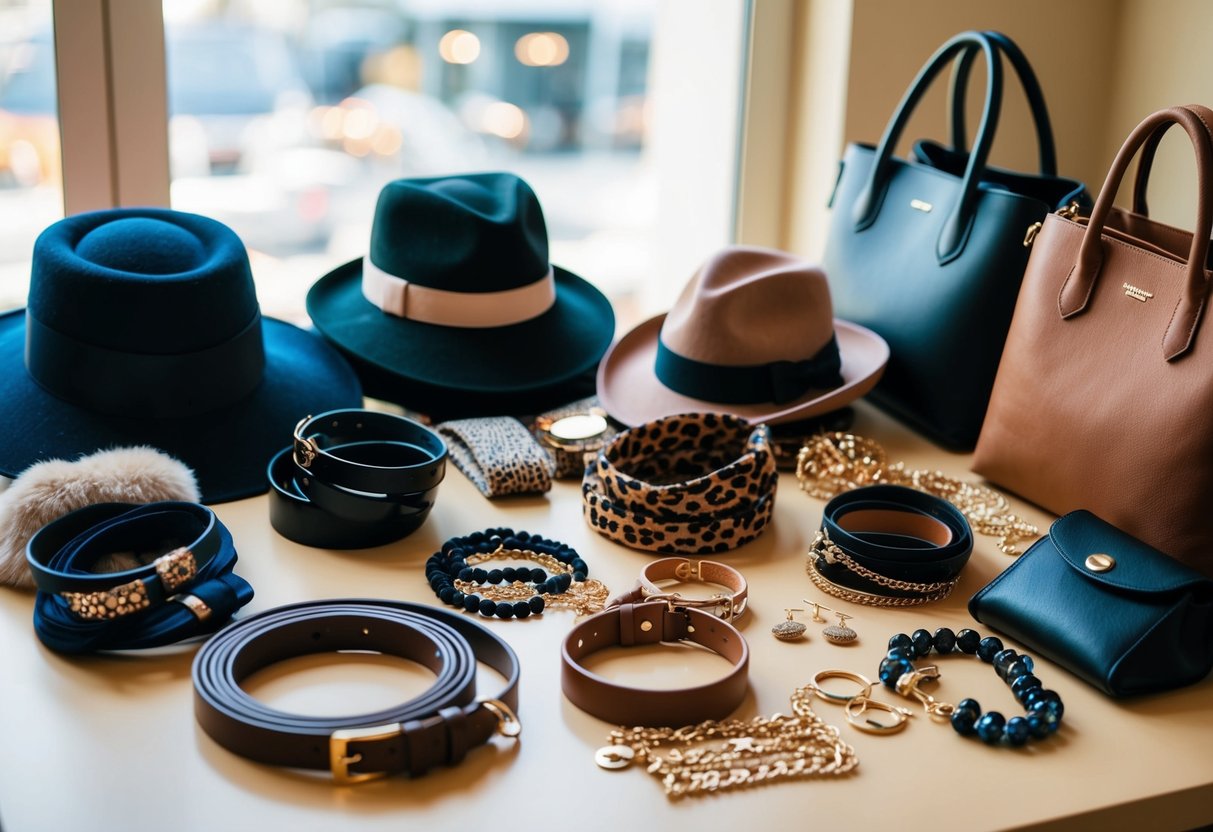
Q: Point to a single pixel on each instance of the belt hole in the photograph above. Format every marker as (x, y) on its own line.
(315, 636)
(366, 631)
(580, 643)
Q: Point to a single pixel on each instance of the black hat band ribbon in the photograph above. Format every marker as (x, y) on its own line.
(775, 381)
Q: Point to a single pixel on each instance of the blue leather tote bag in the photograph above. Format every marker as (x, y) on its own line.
(929, 251)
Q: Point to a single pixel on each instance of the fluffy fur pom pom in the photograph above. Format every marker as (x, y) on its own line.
(48, 490)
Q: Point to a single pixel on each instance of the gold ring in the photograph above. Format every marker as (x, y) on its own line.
(860, 705)
(865, 686)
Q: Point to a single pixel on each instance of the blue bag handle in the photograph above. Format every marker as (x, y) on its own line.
(1031, 87)
(952, 238)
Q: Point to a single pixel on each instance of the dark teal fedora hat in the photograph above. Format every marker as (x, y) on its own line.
(456, 309)
(143, 328)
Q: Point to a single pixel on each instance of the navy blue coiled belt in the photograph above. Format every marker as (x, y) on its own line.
(887, 545)
(188, 587)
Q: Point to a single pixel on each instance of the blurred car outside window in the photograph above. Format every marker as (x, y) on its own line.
(287, 118)
(31, 190)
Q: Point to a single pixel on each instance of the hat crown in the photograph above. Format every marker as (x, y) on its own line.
(476, 233)
(142, 280)
(749, 305)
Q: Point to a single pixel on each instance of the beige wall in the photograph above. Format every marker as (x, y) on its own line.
(1163, 57)
(1103, 64)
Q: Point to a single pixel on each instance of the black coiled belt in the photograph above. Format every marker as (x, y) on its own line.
(354, 479)
(436, 728)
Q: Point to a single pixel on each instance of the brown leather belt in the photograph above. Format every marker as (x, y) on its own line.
(436, 728)
(649, 623)
(728, 606)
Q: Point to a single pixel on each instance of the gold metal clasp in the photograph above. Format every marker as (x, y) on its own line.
(340, 758)
(907, 686)
(507, 721)
(306, 450)
(691, 570)
(719, 605)
(1069, 212)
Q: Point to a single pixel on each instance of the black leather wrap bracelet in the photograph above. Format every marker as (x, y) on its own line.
(354, 479)
(887, 545)
(371, 452)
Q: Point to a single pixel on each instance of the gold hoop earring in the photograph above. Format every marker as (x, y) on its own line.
(859, 706)
(815, 687)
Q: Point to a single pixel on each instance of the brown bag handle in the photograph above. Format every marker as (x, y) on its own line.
(1076, 290)
(1145, 162)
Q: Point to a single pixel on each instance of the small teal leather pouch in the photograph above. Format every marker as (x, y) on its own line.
(1105, 606)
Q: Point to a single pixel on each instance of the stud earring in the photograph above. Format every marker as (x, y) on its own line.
(840, 633)
(789, 630)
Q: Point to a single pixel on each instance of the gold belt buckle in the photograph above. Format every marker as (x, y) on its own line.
(340, 758)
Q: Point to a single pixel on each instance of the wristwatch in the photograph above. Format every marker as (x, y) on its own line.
(571, 432)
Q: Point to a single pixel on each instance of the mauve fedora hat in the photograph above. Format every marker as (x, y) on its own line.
(456, 309)
(753, 334)
(143, 328)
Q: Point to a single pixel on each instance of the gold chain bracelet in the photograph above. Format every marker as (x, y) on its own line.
(856, 597)
(583, 597)
(823, 546)
(718, 755)
(831, 463)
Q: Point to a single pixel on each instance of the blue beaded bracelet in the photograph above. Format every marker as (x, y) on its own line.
(1044, 708)
(458, 579)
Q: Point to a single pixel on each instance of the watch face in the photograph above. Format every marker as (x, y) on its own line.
(577, 428)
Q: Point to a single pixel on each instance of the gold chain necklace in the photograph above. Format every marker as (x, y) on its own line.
(718, 755)
(831, 463)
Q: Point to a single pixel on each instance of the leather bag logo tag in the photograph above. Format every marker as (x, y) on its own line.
(1135, 293)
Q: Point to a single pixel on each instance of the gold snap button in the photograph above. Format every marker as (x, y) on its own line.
(1099, 562)
(646, 625)
(614, 756)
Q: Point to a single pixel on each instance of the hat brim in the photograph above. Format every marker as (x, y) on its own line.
(630, 391)
(567, 340)
(228, 448)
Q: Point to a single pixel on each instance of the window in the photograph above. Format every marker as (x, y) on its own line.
(286, 126)
(31, 193)
(285, 119)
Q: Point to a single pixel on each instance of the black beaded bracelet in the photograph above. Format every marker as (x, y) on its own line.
(1044, 707)
(458, 579)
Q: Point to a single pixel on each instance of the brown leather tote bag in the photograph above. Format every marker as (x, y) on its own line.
(1104, 394)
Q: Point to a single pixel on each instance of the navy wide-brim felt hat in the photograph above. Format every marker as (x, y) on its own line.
(456, 309)
(143, 329)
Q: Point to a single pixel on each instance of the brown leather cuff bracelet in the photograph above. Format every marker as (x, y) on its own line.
(650, 623)
(723, 606)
